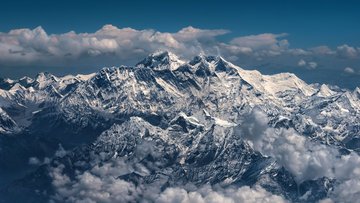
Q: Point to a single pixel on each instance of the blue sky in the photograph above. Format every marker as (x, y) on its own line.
(294, 25)
(309, 23)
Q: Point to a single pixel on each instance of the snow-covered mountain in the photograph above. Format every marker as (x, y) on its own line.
(167, 123)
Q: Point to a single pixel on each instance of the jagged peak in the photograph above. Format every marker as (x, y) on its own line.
(164, 54)
(212, 64)
(43, 79)
(85, 77)
(325, 91)
(161, 60)
(16, 87)
(8, 80)
(357, 92)
(357, 89)
(44, 76)
(202, 59)
(26, 80)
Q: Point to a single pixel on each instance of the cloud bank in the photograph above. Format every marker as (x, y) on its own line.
(36, 45)
(101, 184)
(29, 51)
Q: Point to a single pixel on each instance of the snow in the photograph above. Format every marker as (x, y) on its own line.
(169, 88)
(35, 112)
(190, 119)
(325, 91)
(85, 77)
(162, 60)
(26, 79)
(16, 87)
(273, 84)
(10, 81)
(223, 123)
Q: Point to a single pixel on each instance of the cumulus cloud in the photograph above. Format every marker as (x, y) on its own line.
(346, 51)
(26, 46)
(101, 182)
(243, 194)
(103, 185)
(113, 46)
(305, 159)
(308, 65)
(267, 41)
(322, 50)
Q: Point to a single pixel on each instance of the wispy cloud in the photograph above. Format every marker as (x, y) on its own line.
(349, 70)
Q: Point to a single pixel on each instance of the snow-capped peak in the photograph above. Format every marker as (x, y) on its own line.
(16, 87)
(325, 91)
(26, 81)
(357, 92)
(161, 60)
(44, 79)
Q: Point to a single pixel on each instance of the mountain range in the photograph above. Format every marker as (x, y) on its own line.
(166, 129)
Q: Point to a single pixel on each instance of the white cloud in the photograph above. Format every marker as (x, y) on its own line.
(37, 161)
(266, 40)
(106, 187)
(60, 152)
(322, 50)
(305, 159)
(243, 194)
(298, 52)
(88, 187)
(349, 70)
(346, 51)
(25, 45)
(267, 44)
(302, 63)
(34, 161)
(312, 65)
(100, 183)
(308, 65)
(113, 46)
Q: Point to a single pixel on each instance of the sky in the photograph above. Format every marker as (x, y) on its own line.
(317, 40)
